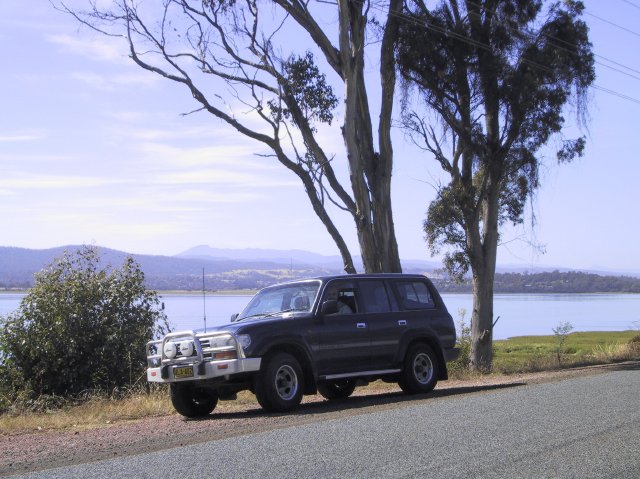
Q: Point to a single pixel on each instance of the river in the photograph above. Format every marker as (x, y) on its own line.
(518, 314)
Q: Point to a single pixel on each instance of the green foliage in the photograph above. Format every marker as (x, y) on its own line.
(463, 341)
(306, 89)
(549, 282)
(81, 327)
(498, 76)
(562, 332)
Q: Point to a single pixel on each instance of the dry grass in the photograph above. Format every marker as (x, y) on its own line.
(515, 356)
(100, 412)
(614, 352)
(92, 413)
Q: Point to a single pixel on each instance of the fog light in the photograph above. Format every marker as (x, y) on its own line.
(170, 350)
(186, 348)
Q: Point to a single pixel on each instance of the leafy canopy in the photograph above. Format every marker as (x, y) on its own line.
(498, 74)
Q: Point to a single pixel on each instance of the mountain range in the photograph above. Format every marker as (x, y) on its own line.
(223, 269)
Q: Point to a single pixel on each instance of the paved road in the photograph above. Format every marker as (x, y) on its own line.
(587, 427)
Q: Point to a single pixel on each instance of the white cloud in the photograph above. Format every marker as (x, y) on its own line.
(226, 155)
(97, 48)
(222, 177)
(38, 182)
(111, 82)
(21, 137)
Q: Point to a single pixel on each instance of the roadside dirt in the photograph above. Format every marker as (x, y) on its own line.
(39, 450)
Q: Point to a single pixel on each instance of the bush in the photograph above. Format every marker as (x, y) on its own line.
(463, 341)
(80, 328)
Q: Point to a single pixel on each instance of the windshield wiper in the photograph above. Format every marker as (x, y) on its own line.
(268, 315)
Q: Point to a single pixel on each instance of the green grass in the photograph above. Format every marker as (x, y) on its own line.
(537, 353)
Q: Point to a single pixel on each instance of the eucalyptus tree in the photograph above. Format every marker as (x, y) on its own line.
(261, 67)
(496, 77)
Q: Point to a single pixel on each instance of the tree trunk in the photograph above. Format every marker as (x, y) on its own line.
(370, 172)
(482, 322)
(483, 267)
(383, 218)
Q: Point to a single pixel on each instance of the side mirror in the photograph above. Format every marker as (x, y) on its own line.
(330, 306)
(234, 317)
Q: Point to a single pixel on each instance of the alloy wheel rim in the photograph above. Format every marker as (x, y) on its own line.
(422, 368)
(286, 382)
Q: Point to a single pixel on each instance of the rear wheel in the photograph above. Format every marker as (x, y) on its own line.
(279, 385)
(340, 389)
(419, 374)
(192, 402)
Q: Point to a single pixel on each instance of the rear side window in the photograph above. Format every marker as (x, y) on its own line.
(415, 295)
(374, 297)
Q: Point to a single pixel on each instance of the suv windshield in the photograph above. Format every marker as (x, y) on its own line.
(280, 299)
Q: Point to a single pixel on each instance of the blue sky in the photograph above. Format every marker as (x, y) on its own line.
(95, 150)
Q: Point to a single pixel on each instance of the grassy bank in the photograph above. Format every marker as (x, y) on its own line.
(541, 353)
(512, 356)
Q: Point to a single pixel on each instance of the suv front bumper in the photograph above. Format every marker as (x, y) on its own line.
(205, 370)
(190, 356)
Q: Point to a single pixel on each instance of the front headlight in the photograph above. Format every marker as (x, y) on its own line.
(222, 341)
(244, 340)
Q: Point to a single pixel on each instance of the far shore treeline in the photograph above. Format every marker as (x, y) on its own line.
(164, 273)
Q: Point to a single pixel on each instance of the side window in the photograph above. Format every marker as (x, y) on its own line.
(415, 295)
(344, 293)
(374, 297)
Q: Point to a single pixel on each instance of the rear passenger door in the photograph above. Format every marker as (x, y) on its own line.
(420, 309)
(385, 329)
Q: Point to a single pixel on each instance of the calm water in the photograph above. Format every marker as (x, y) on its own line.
(520, 314)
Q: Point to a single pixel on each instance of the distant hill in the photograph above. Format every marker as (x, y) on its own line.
(227, 269)
(18, 265)
(296, 257)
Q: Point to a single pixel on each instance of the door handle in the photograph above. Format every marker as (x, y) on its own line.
(361, 325)
(402, 322)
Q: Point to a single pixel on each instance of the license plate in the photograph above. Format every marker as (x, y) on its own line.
(183, 372)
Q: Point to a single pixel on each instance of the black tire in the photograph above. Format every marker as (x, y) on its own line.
(340, 389)
(420, 370)
(280, 383)
(192, 402)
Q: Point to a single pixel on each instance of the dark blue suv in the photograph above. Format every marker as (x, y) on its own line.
(325, 335)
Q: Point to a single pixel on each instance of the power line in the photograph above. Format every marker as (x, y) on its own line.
(574, 46)
(615, 93)
(632, 4)
(613, 24)
(484, 46)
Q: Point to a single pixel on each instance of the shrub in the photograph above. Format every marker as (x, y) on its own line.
(81, 327)
(562, 333)
(463, 342)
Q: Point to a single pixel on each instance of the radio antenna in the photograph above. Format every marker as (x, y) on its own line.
(204, 303)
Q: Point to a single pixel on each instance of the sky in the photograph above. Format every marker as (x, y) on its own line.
(94, 150)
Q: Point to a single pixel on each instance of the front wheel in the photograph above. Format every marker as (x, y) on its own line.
(192, 402)
(279, 385)
(419, 374)
(340, 389)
